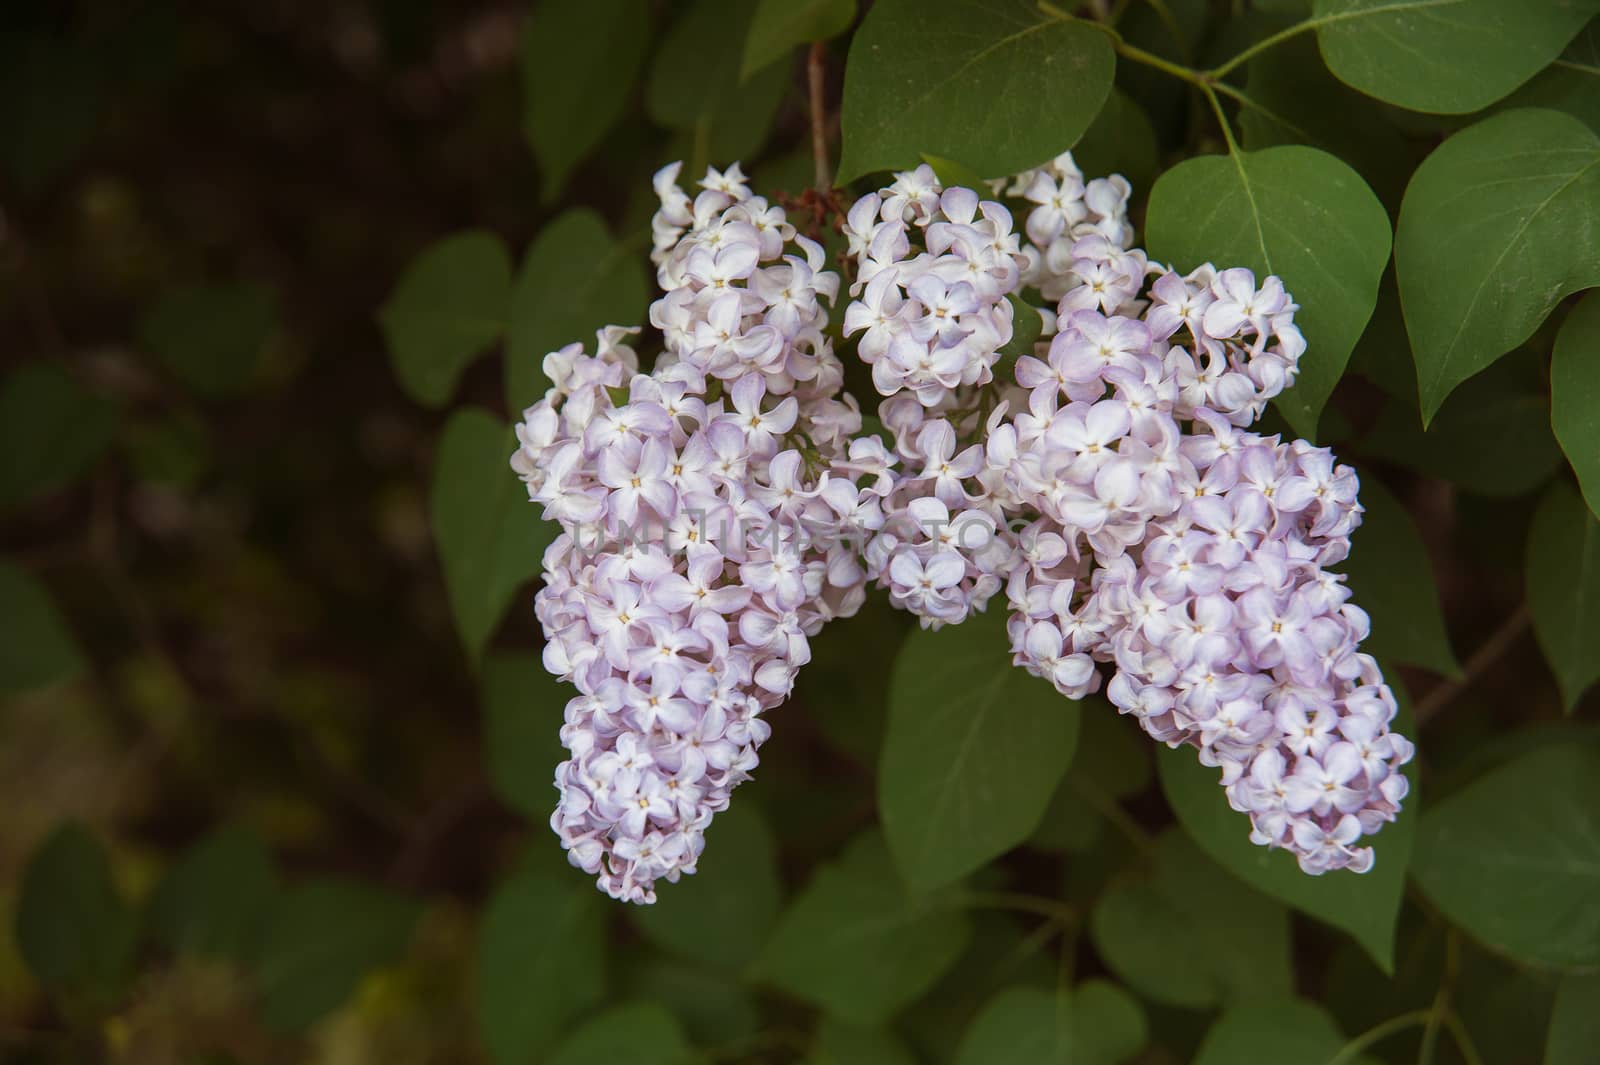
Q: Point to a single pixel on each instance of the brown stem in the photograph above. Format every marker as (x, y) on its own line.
(1485, 656)
(816, 72)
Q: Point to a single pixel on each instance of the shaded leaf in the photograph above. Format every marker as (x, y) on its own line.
(579, 62)
(211, 337)
(1563, 577)
(72, 927)
(1575, 1022)
(1290, 1032)
(1570, 84)
(50, 103)
(52, 430)
(1295, 212)
(1185, 934)
(39, 649)
(974, 750)
(322, 938)
(1391, 578)
(838, 1043)
(1528, 831)
(215, 900)
(541, 960)
(695, 82)
(1447, 56)
(523, 708)
(490, 537)
(722, 914)
(1096, 1023)
(574, 281)
(855, 944)
(640, 1033)
(780, 25)
(449, 306)
(1487, 242)
(1120, 140)
(1575, 393)
(999, 84)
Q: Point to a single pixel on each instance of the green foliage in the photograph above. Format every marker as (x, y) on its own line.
(574, 280)
(779, 25)
(522, 714)
(1575, 1022)
(1287, 1032)
(1485, 244)
(1365, 905)
(52, 430)
(1096, 1023)
(50, 105)
(1391, 579)
(999, 85)
(855, 944)
(839, 1043)
(541, 961)
(1296, 212)
(212, 337)
(641, 1033)
(1236, 940)
(1529, 832)
(1450, 56)
(38, 650)
(322, 937)
(974, 751)
(490, 537)
(216, 899)
(73, 927)
(1575, 394)
(447, 309)
(1564, 589)
(722, 914)
(579, 62)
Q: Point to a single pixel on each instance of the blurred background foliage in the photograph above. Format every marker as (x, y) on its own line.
(275, 745)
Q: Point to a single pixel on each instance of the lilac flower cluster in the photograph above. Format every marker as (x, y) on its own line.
(1128, 517)
(720, 509)
(681, 594)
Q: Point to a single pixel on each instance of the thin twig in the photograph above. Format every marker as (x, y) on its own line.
(1485, 656)
(816, 77)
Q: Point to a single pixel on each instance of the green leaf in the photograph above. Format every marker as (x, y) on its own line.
(1096, 1023)
(1486, 247)
(640, 1033)
(1575, 393)
(695, 82)
(1444, 56)
(781, 25)
(974, 751)
(72, 927)
(1575, 1022)
(856, 945)
(490, 537)
(52, 430)
(448, 308)
(1366, 905)
(1391, 578)
(523, 708)
(950, 172)
(1185, 934)
(574, 281)
(1295, 212)
(211, 337)
(50, 103)
(1530, 832)
(1121, 140)
(1112, 761)
(714, 1008)
(579, 62)
(322, 938)
(541, 960)
(838, 1043)
(1564, 589)
(1492, 436)
(1570, 84)
(722, 914)
(1290, 1032)
(844, 688)
(998, 84)
(215, 899)
(39, 649)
